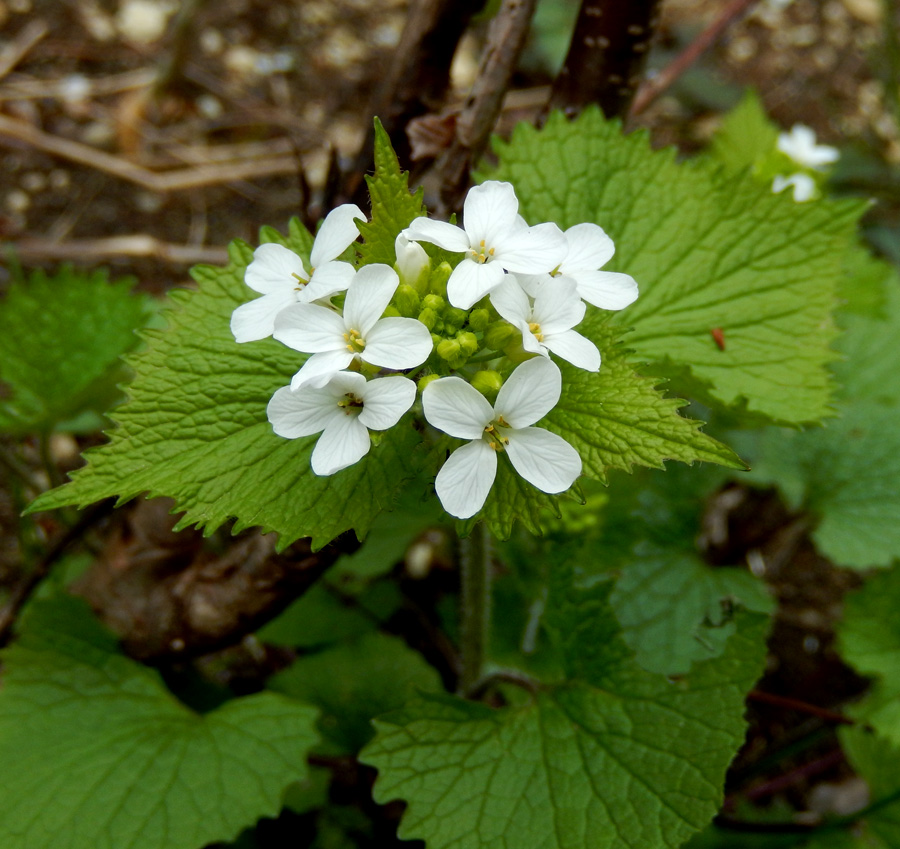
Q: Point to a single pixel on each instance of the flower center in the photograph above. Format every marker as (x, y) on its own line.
(300, 281)
(351, 404)
(481, 253)
(355, 343)
(535, 329)
(494, 435)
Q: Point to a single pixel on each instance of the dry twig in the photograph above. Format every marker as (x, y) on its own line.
(21, 45)
(179, 179)
(138, 245)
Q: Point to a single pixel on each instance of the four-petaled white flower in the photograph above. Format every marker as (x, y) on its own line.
(494, 239)
(278, 273)
(546, 325)
(544, 459)
(343, 410)
(800, 145)
(336, 340)
(589, 250)
(804, 186)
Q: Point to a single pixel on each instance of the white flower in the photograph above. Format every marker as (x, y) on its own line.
(413, 264)
(546, 325)
(360, 333)
(495, 239)
(589, 250)
(544, 459)
(344, 410)
(278, 273)
(804, 186)
(800, 145)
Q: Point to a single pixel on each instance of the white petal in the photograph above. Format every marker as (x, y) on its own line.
(328, 279)
(368, 296)
(573, 347)
(532, 251)
(320, 368)
(337, 233)
(412, 261)
(558, 307)
(301, 413)
(529, 393)
(344, 442)
(589, 249)
(489, 211)
(310, 328)
(471, 281)
(440, 233)
(464, 481)
(609, 290)
(453, 406)
(529, 340)
(511, 301)
(385, 400)
(256, 319)
(544, 459)
(273, 268)
(532, 283)
(397, 343)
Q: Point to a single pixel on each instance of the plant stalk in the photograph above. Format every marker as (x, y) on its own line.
(475, 606)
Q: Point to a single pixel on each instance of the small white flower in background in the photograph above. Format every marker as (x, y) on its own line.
(335, 340)
(279, 275)
(803, 185)
(343, 410)
(544, 459)
(494, 239)
(800, 145)
(546, 325)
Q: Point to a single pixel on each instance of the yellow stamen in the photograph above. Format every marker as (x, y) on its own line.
(355, 343)
(535, 328)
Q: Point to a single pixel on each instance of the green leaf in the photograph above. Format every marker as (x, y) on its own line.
(869, 637)
(618, 758)
(106, 758)
(745, 136)
(616, 419)
(871, 368)
(393, 207)
(61, 339)
(876, 759)
(676, 610)
(353, 682)
(707, 251)
(195, 429)
(846, 475)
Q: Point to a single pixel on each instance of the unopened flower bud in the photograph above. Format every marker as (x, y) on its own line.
(478, 319)
(455, 317)
(413, 265)
(391, 312)
(500, 335)
(406, 299)
(424, 381)
(468, 342)
(437, 282)
(434, 302)
(428, 318)
(448, 349)
(487, 382)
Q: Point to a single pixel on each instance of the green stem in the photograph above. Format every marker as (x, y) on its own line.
(475, 601)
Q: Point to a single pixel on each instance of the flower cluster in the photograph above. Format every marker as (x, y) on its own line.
(474, 339)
